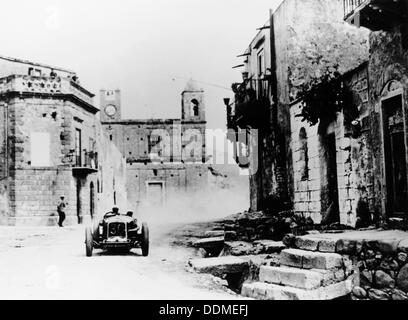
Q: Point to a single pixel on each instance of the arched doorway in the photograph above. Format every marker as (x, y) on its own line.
(395, 150)
(92, 200)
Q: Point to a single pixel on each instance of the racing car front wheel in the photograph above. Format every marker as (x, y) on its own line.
(88, 241)
(145, 240)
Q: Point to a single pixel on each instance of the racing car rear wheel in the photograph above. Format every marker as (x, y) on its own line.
(88, 241)
(145, 240)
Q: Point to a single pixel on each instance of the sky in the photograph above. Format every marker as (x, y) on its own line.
(148, 49)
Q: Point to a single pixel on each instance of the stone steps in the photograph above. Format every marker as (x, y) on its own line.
(310, 260)
(267, 291)
(300, 278)
(302, 275)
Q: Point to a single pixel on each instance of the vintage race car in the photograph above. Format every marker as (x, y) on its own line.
(117, 231)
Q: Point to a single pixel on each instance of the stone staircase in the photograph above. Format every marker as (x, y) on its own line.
(302, 275)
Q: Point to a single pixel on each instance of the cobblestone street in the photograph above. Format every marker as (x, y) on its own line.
(50, 263)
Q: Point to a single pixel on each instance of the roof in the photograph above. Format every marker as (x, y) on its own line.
(192, 86)
(35, 64)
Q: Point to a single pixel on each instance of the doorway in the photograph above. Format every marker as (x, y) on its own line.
(78, 201)
(395, 157)
(92, 200)
(328, 173)
(155, 193)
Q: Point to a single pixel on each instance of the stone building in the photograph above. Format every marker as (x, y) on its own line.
(382, 171)
(165, 158)
(303, 40)
(51, 144)
(367, 176)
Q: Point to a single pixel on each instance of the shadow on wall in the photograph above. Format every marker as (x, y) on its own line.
(211, 203)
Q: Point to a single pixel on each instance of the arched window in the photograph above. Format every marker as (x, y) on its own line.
(194, 107)
(304, 156)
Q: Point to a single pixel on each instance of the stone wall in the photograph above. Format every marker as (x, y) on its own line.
(388, 62)
(383, 269)
(307, 191)
(178, 180)
(353, 157)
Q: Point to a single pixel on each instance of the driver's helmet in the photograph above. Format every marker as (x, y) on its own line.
(115, 209)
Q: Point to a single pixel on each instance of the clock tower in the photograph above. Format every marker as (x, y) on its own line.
(110, 105)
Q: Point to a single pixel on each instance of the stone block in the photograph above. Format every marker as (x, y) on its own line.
(375, 294)
(307, 243)
(402, 279)
(310, 260)
(386, 246)
(359, 292)
(220, 266)
(336, 290)
(214, 234)
(266, 291)
(346, 246)
(293, 277)
(383, 280)
(292, 258)
(320, 260)
(403, 246)
(327, 245)
(238, 248)
(331, 276)
(209, 242)
(268, 246)
(399, 295)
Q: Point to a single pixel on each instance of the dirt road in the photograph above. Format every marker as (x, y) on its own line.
(50, 263)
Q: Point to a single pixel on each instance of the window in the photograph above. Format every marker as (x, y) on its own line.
(194, 108)
(304, 156)
(40, 149)
(261, 70)
(78, 147)
(261, 63)
(153, 141)
(34, 72)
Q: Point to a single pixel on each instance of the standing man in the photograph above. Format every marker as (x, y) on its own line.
(61, 210)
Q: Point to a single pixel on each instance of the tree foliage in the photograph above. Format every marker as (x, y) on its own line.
(322, 97)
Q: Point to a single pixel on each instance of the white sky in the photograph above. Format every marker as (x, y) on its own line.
(146, 48)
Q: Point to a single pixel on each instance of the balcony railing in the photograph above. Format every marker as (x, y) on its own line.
(86, 163)
(375, 14)
(45, 85)
(350, 6)
(249, 112)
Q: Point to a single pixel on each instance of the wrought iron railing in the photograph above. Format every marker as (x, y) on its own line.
(89, 159)
(351, 5)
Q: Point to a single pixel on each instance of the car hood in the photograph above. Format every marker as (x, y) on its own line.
(119, 218)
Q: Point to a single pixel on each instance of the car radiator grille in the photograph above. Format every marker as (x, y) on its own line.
(117, 229)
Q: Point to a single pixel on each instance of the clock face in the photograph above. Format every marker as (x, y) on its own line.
(110, 110)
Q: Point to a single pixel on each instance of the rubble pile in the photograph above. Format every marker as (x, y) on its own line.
(253, 226)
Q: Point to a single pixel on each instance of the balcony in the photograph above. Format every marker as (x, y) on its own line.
(375, 14)
(86, 163)
(249, 111)
(58, 87)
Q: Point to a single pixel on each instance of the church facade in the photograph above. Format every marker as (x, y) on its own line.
(165, 158)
